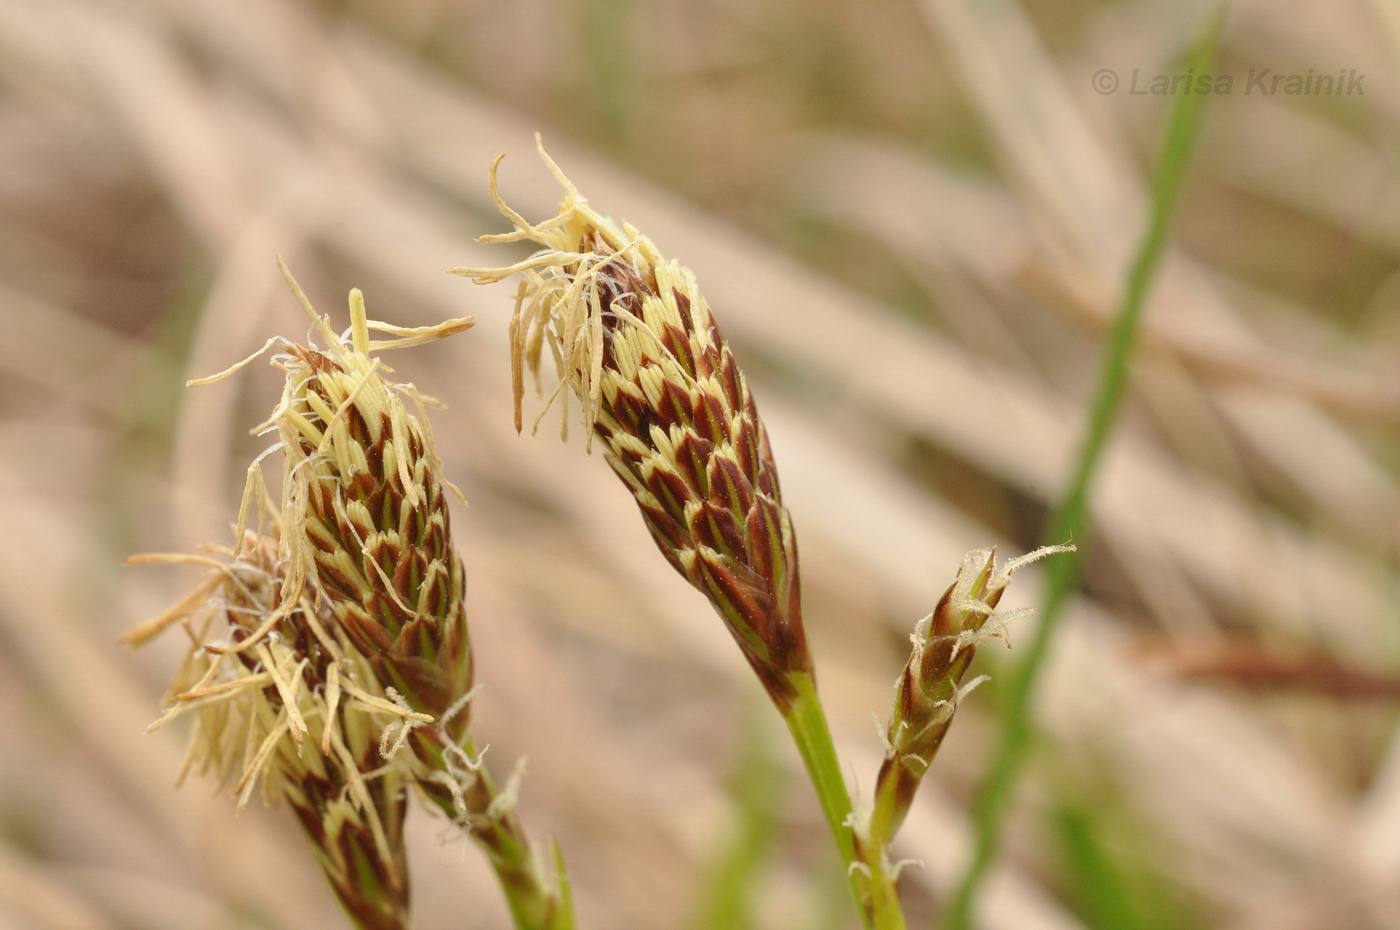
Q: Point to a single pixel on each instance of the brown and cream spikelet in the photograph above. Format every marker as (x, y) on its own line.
(634, 339)
(931, 685)
(255, 700)
(367, 530)
(365, 507)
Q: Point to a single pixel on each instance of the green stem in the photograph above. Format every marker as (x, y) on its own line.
(884, 895)
(876, 899)
(1070, 520)
(533, 904)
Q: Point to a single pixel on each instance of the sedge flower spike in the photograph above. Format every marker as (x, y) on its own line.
(633, 339)
(366, 567)
(365, 504)
(370, 505)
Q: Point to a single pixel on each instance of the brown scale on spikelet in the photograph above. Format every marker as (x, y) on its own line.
(254, 706)
(634, 339)
(931, 685)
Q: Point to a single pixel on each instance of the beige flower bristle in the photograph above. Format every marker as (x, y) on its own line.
(253, 706)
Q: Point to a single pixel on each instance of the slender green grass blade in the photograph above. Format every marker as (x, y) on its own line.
(1111, 866)
(1070, 520)
(1105, 900)
(729, 896)
(1111, 860)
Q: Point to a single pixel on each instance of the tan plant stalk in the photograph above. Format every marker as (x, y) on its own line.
(256, 710)
(633, 339)
(931, 685)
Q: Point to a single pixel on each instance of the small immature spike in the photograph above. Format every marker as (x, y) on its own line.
(931, 684)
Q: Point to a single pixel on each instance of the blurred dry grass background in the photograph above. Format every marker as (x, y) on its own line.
(912, 218)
